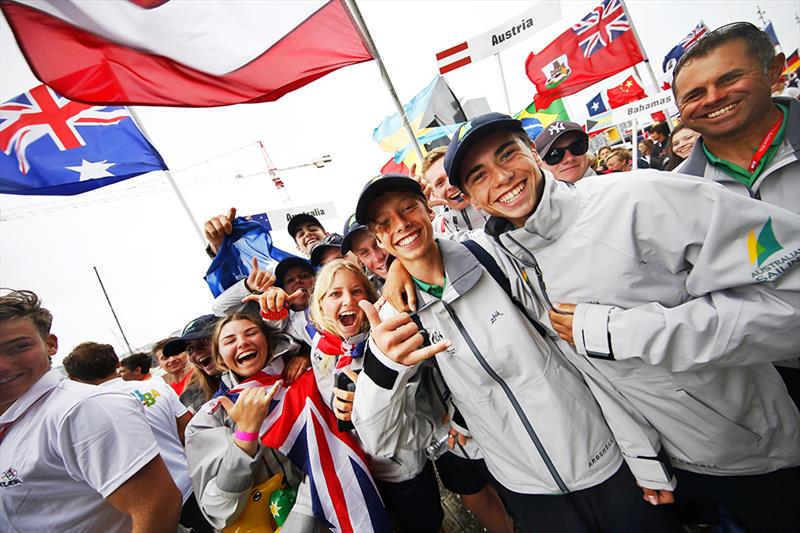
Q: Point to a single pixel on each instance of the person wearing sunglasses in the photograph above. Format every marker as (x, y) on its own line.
(563, 147)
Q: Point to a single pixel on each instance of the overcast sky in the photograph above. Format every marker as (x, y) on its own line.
(142, 242)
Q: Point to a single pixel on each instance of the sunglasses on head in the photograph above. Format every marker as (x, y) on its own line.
(555, 155)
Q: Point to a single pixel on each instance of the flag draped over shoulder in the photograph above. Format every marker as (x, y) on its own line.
(301, 426)
(626, 92)
(54, 146)
(250, 237)
(534, 121)
(598, 46)
(173, 53)
(434, 114)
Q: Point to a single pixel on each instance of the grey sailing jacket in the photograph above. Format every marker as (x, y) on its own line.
(686, 292)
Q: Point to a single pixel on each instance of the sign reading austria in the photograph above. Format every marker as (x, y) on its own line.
(499, 38)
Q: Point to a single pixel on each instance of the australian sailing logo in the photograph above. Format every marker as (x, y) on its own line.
(764, 246)
(557, 71)
(524, 24)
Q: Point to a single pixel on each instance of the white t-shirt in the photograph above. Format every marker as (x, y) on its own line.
(162, 407)
(69, 446)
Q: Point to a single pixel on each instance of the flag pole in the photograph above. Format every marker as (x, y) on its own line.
(639, 44)
(130, 350)
(171, 180)
(503, 79)
(635, 144)
(370, 44)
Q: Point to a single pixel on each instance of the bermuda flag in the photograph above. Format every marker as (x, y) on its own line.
(54, 146)
(302, 427)
(174, 53)
(596, 47)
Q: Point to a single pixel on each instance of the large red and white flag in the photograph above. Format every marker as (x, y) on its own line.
(173, 53)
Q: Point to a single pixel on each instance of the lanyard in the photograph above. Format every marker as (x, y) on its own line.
(764, 146)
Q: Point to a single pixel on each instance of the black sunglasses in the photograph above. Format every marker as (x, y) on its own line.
(555, 155)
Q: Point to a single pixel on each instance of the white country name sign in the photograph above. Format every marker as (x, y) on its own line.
(644, 107)
(494, 41)
(280, 219)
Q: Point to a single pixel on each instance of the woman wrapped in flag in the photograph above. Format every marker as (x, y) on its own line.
(261, 430)
(226, 458)
(336, 357)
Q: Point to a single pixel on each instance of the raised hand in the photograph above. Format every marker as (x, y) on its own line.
(296, 366)
(252, 407)
(398, 337)
(343, 400)
(274, 298)
(217, 227)
(259, 280)
(399, 288)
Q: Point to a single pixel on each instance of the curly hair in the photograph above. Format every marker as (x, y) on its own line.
(91, 361)
(26, 304)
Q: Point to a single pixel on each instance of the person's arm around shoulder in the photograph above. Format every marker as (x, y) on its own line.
(150, 498)
(741, 256)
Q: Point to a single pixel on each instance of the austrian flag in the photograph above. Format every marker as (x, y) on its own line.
(173, 53)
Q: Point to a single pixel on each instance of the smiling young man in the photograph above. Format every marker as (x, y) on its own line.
(686, 292)
(564, 147)
(542, 434)
(750, 141)
(72, 457)
(454, 213)
(358, 240)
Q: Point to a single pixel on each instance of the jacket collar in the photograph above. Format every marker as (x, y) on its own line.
(551, 218)
(461, 270)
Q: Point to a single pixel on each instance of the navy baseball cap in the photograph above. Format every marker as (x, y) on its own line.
(301, 218)
(380, 185)
(553, 132)
(468, 134)
(332, 240)
(200, 328)
(287, 264)
(351, 227)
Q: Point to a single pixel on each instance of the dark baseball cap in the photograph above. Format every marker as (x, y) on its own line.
(380, 185)
(470, 133)
(289, 263)
(200, 328)
(553, 132)
(332, 240)
(351, 227)
(301, 218)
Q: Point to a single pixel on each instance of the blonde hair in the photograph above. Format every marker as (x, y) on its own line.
(323, 285)
(430, 158)
(215, 353)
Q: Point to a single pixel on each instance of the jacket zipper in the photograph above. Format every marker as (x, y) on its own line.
(507, 390)
(536, 269)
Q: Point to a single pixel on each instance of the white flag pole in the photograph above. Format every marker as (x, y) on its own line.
(370, 44)
(503, 79)
(171, 180)
(639, 44)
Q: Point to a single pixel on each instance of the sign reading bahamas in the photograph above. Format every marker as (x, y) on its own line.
(762, 248)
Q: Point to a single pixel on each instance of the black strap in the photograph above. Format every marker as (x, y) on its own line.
(494, 270)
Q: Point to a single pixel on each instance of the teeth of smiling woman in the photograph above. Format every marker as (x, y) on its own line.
(245, 357)
(720, 112)
(512, 195)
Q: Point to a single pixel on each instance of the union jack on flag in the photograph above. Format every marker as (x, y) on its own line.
(301, 426)
(695, 35)
(53, 145)
(601, 26)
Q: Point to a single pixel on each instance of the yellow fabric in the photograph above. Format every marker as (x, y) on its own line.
(256, 517)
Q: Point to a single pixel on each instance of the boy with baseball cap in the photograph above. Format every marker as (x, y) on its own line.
(542, 434)
(685, 293)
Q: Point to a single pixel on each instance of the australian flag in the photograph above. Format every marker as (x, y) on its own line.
(52, 145)
(672, 57)
(301, 426)
(595, 106)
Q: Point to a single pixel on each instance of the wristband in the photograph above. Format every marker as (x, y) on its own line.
(245, 436)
